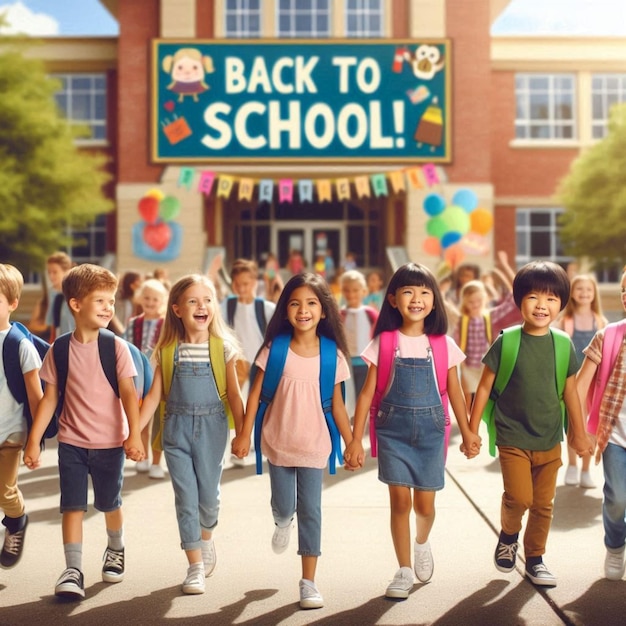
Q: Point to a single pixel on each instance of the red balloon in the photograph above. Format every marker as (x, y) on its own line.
(157, 236)
(149, 209)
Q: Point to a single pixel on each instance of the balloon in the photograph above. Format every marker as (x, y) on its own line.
(149, 209)
(454, 255)
(450, 238)
(456, 219)
(436, 227)
(155, 193)
(466, 199)
(432, 246)
(169, 208)
(481, 221)
(157, 236)
(434, 204)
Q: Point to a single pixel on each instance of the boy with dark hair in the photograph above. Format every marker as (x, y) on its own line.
(96, 428)
(528, 416)
(12, 421)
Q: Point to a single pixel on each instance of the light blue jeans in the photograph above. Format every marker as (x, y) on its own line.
(195, 433)
(614, 505)
(299, 490)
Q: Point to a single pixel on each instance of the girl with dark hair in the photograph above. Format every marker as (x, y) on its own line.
(295, 437)
(411, 422)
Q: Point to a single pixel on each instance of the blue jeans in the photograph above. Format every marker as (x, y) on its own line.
(614, 505)
(299, 489)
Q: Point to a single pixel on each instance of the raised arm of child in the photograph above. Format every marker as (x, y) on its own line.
(41, 419)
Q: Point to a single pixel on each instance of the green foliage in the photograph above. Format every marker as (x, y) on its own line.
(594, 196)
(46, 182)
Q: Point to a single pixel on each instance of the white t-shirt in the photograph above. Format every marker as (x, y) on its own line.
(246, 326)
(11, 412)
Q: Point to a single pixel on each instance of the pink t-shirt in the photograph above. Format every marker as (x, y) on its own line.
(413, 348)
(92, 416)
(294, 432)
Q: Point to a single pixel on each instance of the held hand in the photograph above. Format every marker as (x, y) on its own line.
(32, 455)
(354, 456)
(582, 444)
(471, 445)
(133, 447)
(240, 446)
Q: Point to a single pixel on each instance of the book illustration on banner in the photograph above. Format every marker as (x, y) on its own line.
(157, 237)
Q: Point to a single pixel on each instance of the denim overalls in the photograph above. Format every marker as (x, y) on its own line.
(195, 434)
(410, 427)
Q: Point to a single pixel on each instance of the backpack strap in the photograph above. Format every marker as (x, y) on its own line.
(218, 367)
(488, 327)
(273, 371)
(259, 310)
(137, 328)
(106, 350)
(562, 348)
(463, 332)
(231, 305)
(11, 361)
(511, 339)
(328, 370)
(57, 305)
(388, 343)
(439, 346)
(61, 354)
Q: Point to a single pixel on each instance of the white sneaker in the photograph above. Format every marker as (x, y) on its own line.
(143, 466)
(209, 556)
(614, 566)
(236, 461)
(401, 584)
(194, 582)
(571, 475)
(280, 538)
(423, 564)
(310, 597)
(156, 471)
(586, 482)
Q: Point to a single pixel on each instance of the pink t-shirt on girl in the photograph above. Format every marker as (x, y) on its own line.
(92, 416)
(294, 432)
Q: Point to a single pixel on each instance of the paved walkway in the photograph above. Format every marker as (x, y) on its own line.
(253, 586)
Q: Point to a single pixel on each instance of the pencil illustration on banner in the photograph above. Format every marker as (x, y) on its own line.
(430, 127)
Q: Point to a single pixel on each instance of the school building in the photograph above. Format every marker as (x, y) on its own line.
(391, 129)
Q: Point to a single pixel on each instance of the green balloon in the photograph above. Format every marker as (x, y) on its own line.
(436, 227)
(456, 219)
(169, 208)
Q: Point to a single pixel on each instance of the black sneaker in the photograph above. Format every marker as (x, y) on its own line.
(113, 568)
(540, 576)
(505, 555)
(12, 547)
(70, 584)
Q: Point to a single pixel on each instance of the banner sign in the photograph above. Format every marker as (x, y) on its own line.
(242, 101)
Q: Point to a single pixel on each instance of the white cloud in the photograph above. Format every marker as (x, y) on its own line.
(20, 19)
(563, 17)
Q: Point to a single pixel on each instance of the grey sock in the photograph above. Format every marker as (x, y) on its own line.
(116, 539)
(73, 555)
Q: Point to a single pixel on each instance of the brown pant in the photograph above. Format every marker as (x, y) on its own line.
(529, 485)
(11, 500)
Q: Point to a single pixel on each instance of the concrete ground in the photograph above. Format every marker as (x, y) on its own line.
(253, 586)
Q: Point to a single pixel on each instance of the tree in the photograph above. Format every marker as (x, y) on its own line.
(594, 196)
(46, 182)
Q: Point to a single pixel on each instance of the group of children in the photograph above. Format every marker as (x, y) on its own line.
(409, 369)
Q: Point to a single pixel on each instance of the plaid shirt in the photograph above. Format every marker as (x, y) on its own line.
(613, 395)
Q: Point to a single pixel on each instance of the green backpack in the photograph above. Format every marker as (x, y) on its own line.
(511, 339)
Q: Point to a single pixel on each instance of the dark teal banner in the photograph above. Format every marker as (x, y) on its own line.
(235, 101)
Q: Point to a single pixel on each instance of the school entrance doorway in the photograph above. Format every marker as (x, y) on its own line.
(311, 239)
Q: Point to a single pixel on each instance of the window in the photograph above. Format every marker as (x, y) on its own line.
(243, 19)
(538, 236)
(545, 106)
(304, 18)
(364, 18)
(89, 243)
(606, 90)
(82, 99)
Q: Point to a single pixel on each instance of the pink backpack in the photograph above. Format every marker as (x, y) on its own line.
(613, 339)
(386, 353)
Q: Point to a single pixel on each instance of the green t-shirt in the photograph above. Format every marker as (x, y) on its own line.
(528, 412)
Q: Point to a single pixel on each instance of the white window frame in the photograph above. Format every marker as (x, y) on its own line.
(604, 93)
(524, 125)
(362, 11)
(242, 14)
(525, 231)
(93, 92)
(294, 10)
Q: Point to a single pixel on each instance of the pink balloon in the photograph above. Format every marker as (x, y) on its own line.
(432, 246)
(149, 209)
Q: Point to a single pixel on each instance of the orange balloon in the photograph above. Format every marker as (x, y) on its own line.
(454, 255)
(481, 221)
(432, 246)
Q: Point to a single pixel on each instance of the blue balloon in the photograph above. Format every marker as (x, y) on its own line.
(434, 204)
(450, 238)
(466, 199)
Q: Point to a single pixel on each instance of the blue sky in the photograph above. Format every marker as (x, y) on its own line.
(535, 17)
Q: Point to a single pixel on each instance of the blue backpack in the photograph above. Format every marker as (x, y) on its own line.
(13, 372)
(274, 370)
(106, 349)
